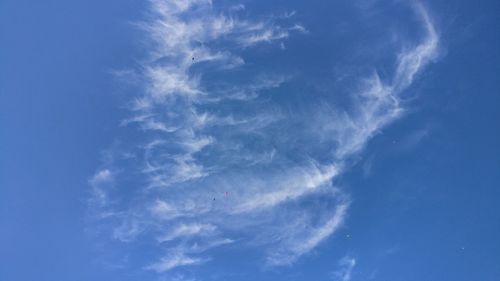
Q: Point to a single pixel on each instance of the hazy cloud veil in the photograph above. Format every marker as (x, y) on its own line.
(214, 162)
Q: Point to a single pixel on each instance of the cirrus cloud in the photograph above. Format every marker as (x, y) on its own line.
(217, 164)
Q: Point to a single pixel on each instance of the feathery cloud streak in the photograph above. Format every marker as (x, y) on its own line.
(216, 164)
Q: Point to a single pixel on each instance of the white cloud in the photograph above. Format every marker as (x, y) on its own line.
(301, 237)
(322, 232)
(346, 266)
(169, 81)
(378, 103)
(129, 229)
(162, 210)
(410, 62)
(267, 35)
(101, 176)
(100, 184)
(217, 164)
(291, 186)
(173, 260)
(186, 230)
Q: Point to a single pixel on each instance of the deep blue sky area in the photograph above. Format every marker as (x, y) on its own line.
(424, 192)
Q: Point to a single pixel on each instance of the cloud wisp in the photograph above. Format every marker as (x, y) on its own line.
(213, 163)
(346, 266)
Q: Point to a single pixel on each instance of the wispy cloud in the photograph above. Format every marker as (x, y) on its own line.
(294, 184)
(346, 266)
(378, 103)
(185, 230)
(174, 260)
(215, 163)
(100, 183)
(305, 240)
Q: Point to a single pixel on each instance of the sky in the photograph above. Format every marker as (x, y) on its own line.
(183, 140)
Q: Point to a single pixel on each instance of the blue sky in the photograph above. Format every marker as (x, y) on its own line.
(254, 140)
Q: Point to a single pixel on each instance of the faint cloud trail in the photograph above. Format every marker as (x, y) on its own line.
(346, 266)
